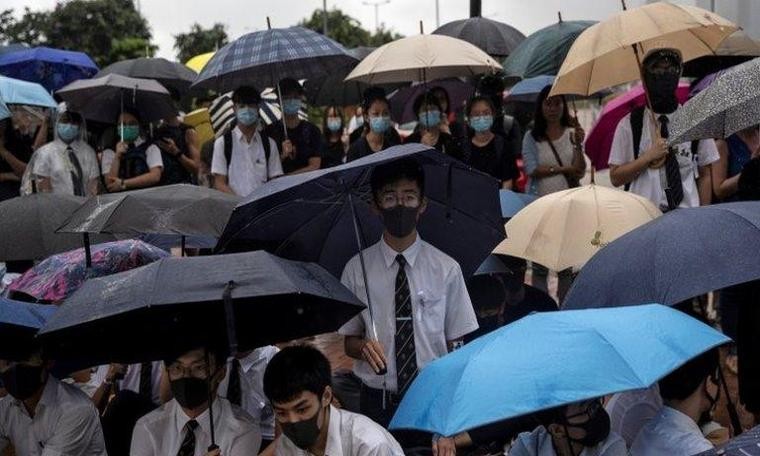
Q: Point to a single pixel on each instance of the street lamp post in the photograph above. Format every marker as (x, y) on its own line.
(377, 4)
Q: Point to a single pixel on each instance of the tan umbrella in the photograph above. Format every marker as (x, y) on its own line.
(422, 58)
(565, 229)
(603, 55)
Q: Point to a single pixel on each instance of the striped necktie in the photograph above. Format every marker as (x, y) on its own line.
(406, 355)
(188, 443)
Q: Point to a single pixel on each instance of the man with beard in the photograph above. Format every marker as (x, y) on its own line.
(182, 426)
(420, 304)
(640, 159)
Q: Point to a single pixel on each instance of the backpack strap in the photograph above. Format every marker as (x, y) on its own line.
(265, 143)
(637, 125)
(228, 149)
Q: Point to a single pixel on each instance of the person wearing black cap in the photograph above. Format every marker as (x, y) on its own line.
(301, 150)
(640, 159)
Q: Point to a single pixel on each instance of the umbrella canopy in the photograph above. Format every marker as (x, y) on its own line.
(19, 322)
(565, 229)
(492, 37)
(4, 111)
(309, 217)
(528, 89)
(543, 51)
(154, 312)
(729, 104)
(747, 444)
(57, 277)
(53, 68)
(262, 58)
(402, 100)
(222, 111)
(599, 140)
(12, 47)
(16, 91)
(171, 75)
(199, 61)
(174, 209)
(736, 49)
(548, 359)
(513, 202)
(103, 99)
(670, 257)
(28, 224)
(422, 58)
(603, 56)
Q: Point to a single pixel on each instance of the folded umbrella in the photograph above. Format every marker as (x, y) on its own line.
(402, 100)
(104, 98)
(492, 37)
(667, 259)
(176, 304)
(729, 104)
(565, 229)
(172, 75)
(19, 323)
(17, 91)
(549, 359)
(57, 277)
(53, 68)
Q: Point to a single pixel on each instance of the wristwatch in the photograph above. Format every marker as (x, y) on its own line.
(552, 170)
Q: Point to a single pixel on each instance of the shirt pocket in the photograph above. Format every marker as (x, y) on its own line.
(431, 312)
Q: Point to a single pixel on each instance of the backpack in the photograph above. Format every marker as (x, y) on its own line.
(134, 162)
(174, 172)
(227, 138)
(637, 125)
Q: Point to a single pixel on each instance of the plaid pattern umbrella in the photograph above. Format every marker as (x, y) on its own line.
(261, 58)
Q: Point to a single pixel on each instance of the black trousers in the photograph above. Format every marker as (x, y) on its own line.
(372, 406)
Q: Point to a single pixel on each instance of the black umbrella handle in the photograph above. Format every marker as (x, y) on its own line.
(229, 315)
(212, 431)
(733, 415)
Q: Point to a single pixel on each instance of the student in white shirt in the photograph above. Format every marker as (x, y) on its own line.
(43, 416)
(297, 382)
(133, 163)
(248, 392)
(630, 411)
(182, 426)
(578, 429)
(424, 305)
(689, 392)
(251, 163)
(647, 172)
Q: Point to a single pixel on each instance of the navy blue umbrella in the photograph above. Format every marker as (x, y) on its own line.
(53, 68)
(683, 254)
(262, 58)
(19, 322)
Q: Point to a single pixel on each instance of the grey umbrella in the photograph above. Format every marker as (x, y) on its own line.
(731, 103)
(172, 75)
(102, 99)
(28, 224)
(493, 37)
(332, 90)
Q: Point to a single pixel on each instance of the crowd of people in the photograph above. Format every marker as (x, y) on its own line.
(288, 401)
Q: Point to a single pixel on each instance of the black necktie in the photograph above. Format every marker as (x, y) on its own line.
(188, 443)
(76, 173)
(146, 380)
(233, 385)
(406, 356)
(674, 191)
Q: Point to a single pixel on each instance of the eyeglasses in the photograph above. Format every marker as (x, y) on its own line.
(590, 410)
(389, 200)
(177, 370)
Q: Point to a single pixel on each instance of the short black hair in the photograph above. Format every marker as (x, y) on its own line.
(487, 292)
(490, 85)
(246, 95)
(684, 381)
(371, 95)
(440, 89)
(296, 369)
(670, 55)
(71, 117)
(290, 85)
(426, 99)
(131, 111)
(393, 171)
(219, 353)
(480, 99)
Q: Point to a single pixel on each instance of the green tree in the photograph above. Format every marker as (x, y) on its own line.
(346, 30)
(199, 41)
(383, 36)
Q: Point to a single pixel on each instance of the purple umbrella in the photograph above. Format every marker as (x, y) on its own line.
(57, 277)
(402, 100)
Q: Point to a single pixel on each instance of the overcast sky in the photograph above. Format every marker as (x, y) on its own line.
(170, 17)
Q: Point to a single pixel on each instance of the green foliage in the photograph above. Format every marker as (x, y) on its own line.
(199, 41)
(346, 30)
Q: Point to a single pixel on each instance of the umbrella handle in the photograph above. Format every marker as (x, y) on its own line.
(212, 431)
(229, 315)
(733, 415)
(87, 252)
(357, 234)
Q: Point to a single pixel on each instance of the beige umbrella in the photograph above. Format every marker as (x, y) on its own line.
(565, 229)
(422, 58)
(609, 53)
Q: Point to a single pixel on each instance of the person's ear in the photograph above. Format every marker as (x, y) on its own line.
(423, 205)
(327, 396)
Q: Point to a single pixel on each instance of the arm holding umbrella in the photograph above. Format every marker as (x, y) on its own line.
(627, 172)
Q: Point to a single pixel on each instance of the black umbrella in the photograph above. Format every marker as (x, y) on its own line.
(28, 224)
(172, 75)
(19, 322)
(737, 48)
(493, 37)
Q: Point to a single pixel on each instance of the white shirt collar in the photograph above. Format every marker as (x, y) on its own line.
(680, 420)
(410, 254)
(241, 137)
(253, 358)
(181, 419)
(334, 445)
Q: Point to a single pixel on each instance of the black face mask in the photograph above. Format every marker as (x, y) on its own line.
(190, 392)
(400, 220)
(662, 91)
(303, 433)
(597, 428)
(22, 381)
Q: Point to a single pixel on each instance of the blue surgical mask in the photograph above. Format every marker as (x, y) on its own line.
(430, 119)
(379, 124)
(481, 123)
(291, 106)
(334, 124)
(247, 116)
(67, 132)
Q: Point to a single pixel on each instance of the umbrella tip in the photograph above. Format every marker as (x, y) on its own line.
(559, 15)
(269, 24)
(593, 171)
(625, 8)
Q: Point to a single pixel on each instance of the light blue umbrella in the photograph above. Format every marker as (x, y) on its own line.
(550, 359)
(4, 111)
(513, 202)
(16, 91)
(528, 89)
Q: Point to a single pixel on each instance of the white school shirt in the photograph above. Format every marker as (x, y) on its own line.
(161, 432)
(348, 434)
(630, 411)
(670, 433)
(441, 307)
(65, 423)
(252, 396)
(131, 380)
(648, 184)
(52, 161)
(539, 443)
(152, 157)
(248, 169)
